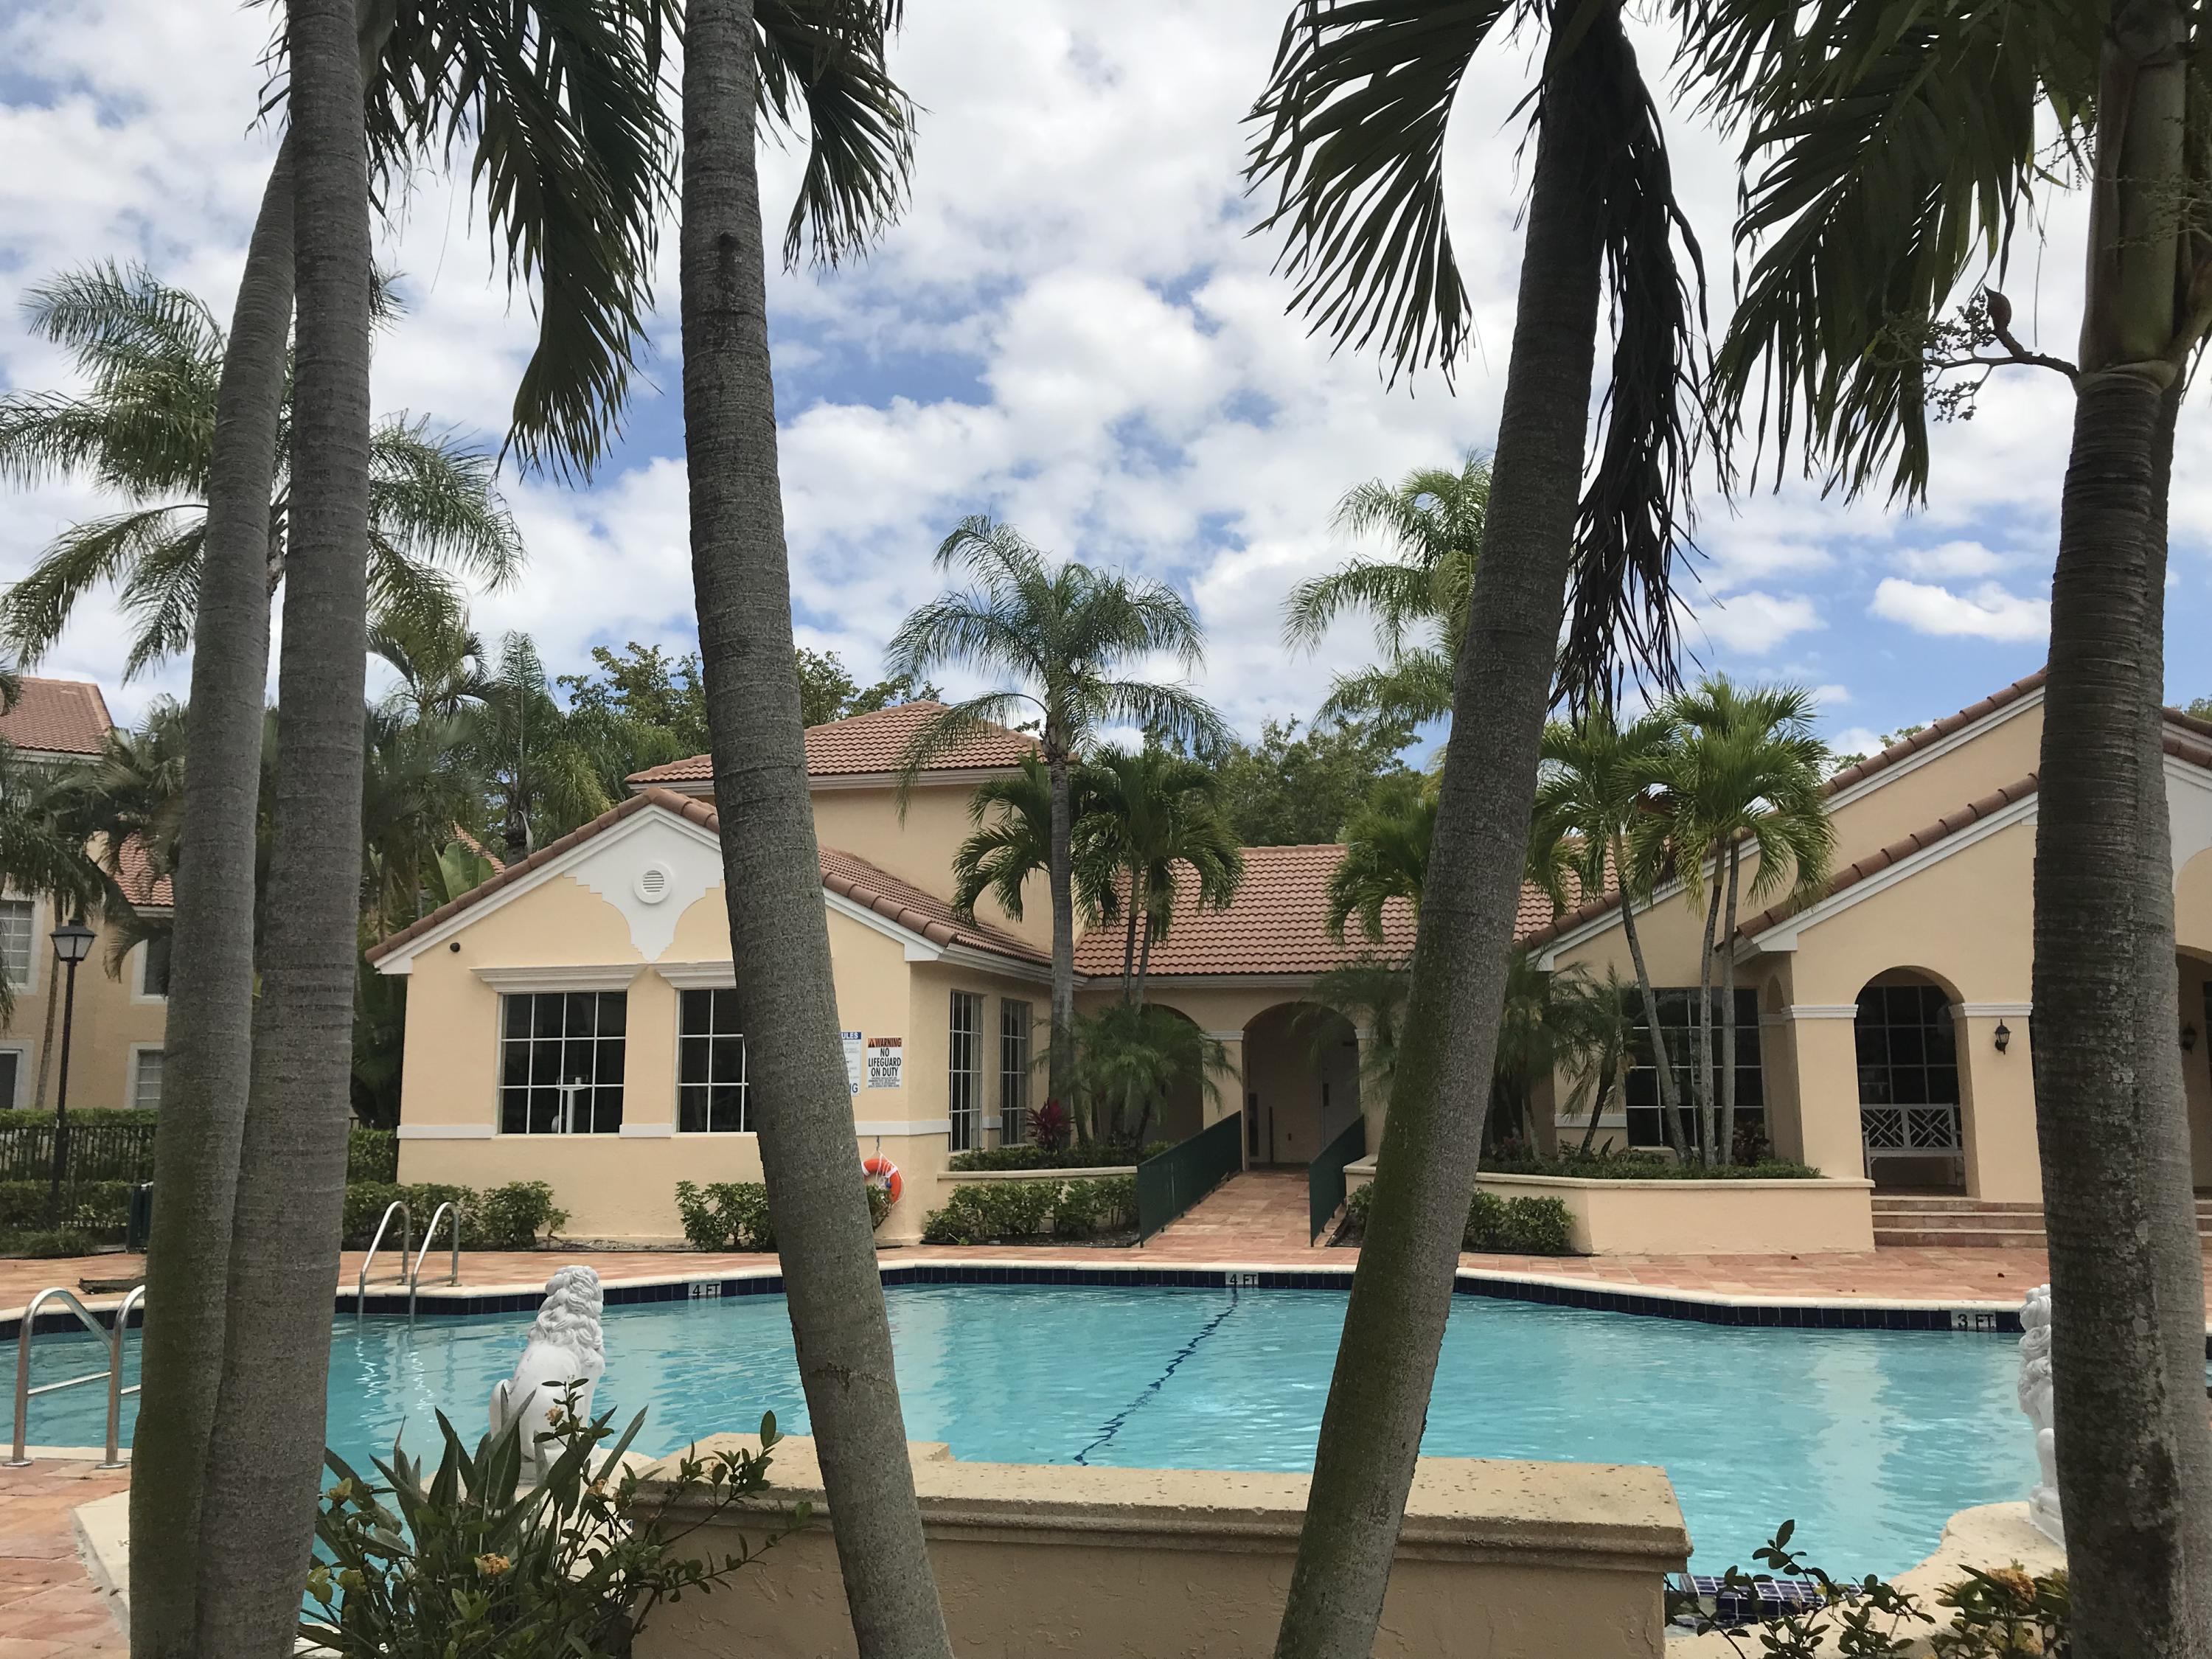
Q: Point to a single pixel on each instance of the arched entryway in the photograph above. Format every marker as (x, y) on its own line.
(1910, 1103)
(1301, 1082)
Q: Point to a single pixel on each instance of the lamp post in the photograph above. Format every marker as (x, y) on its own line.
(72, 944)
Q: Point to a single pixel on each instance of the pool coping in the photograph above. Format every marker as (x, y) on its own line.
(1705, 1307)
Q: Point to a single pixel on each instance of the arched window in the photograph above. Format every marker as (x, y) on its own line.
(1908, 1065)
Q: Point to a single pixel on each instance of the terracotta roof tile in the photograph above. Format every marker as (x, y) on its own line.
(61, 717)
(869, 743)
(135, 875)
(842, 873)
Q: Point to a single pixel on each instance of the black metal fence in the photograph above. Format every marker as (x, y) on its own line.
(96, 1151)
(1325, 1175)
(1171, 1181)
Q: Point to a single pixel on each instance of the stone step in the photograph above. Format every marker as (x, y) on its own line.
(1981, 1238)
(1917, 1204)
(1953, 1221)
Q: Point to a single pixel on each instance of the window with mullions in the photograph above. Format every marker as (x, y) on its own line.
(1677, 1017)
(560, 1062)
(1013, 1072)
(712, 1096)
(964, 1093)
(1907, 1054)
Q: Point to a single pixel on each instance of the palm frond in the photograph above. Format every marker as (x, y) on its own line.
(828, 56)
(87, 555)
(438, 497)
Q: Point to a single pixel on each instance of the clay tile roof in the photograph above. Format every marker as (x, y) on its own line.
(1937, 732)
(59, 717)
(868, 744)
(842, 873)
(1851, 874)
(135, 875)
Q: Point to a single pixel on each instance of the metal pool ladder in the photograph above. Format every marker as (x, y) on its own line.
(430, 1237)
(112, 1376)
(398, 1207)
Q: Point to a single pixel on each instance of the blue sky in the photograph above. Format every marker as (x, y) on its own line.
(1070, 329)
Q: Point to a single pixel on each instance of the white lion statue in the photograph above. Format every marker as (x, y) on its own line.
(2037, 1399)
(564, 1346)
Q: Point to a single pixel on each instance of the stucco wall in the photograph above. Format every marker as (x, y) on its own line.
(112, 1021)
(865, 821)
(1706, 1218)
(1497, 1560)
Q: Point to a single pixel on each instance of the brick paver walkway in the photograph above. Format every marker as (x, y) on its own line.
(49, 1609)
(1261, 1209)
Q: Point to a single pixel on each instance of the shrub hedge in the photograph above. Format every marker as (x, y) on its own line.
(989, 1211)
(1634, 1166)
(1095, 1155)
(1501, 1226)
(732, 1215)
(510, 1218)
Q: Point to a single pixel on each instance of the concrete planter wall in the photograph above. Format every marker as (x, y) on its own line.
(948, 1179)
(1509, 1560)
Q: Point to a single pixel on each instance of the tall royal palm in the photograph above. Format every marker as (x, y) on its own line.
(1351, 136)
(1893, 152)
(1596, 781)
(554, 105)
(1743, 774)
(744, 69)
(1063, 635)
(1432, 521)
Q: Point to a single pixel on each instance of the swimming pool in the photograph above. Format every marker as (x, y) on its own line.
(1869, 1439)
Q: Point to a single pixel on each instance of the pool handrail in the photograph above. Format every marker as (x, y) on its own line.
(112, 1376)
(430, 1237)
(376, 1243)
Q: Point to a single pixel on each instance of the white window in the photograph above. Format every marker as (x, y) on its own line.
(1013, 1072)
(964, 1078)
(17, 926)
(15, 1063)
(560, 1062)
(154, 967)
(146, 1078)
(711, 1093)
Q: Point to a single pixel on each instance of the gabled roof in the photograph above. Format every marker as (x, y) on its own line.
(867, 744)
(851, 878)
(58, 717)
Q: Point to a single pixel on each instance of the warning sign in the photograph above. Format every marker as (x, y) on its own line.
(852, 1059)
(886, 1056)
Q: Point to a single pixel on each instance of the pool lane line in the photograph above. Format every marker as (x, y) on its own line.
(1114, 1424)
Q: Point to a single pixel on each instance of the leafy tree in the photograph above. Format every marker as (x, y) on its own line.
(645, 686)
(748, 68)
(1063, 635)
(1350, 135)
(1295, 787)
(827, 692)
(152, 355)
(2198, 708)
(1432, 521)
(1156, 813)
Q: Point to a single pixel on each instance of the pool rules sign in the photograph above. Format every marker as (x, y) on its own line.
(886, 1054)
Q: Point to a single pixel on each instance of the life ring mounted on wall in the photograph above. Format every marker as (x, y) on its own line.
(882, 1172)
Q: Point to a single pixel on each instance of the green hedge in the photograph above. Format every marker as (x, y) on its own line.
(510, 1218)
(989, 1211)
(1499, 1226)
(372, 1154)
(1634, 1166)
(139, 1118)
(1100, 1155)
(732, 1215)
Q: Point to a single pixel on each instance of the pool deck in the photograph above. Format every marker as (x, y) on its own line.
(50, 1607)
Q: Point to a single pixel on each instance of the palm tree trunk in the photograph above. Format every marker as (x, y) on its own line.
(2127, 1290)
(1669, 1101)
(266, 1454)
(210, 1041)
(1401, 1290)
(772, 879)
(1725, 1151)
(1061, 1068)
(1703, 1076)
(46, 1057)
(1144, 961)
(1130, 945)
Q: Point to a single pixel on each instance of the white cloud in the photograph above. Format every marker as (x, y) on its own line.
(1832, 696)
(1951, 561)
(1989, 612)
(1856, 740)
(1753, 623)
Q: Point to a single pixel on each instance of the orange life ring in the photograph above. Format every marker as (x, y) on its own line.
(886, 1174)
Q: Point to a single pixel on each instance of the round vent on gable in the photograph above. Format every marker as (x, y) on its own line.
(652, 883)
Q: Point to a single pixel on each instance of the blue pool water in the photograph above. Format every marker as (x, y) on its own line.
(1869, 1440)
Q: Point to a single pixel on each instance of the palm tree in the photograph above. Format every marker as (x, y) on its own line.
(1593, 791)
(744, 68)
(1012, 840)
(557, 103)
(1745, 772)
(1386, 855)
(265, 1451)
(1063, 636)
(1432, 521)
(152, 355)
(1158, 813)
(1897, 151)
(1352, 135)
(1138, 1054)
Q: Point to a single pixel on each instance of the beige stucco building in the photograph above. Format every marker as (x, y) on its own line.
(562, 1023)
(122, 1008)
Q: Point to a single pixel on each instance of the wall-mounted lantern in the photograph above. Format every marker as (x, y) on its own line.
(2003, 1036)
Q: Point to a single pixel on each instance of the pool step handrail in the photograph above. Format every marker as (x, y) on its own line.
(112, 1376)
(399, 1206)
(429, 1237)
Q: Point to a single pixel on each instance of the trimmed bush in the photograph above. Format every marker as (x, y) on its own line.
(67, 1241)
(1495, 1226)
(1095, 1155)
(372, 1154)
(1639, 1166)
(987, 1211)
(136, 1117)
(510, 1218)
(732, 1215)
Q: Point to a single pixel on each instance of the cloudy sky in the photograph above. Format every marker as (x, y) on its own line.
(1070, 329)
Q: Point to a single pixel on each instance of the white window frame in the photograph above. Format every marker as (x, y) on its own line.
(552, 981)
(973, 1075)
(745, 1085)
(131, 1072)
(1008, 1074)
(42, 947)
(23, 1051)
(139, 955)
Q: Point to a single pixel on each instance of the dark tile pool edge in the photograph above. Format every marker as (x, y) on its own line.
(439, 1301)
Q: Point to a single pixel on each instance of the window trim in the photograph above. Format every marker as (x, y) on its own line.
(139, 1051)
(676, 1107)
(1007, 1072)
(140, 954)
(41, 926)
(23, 1049)
(976, 1112)
(500, 1041)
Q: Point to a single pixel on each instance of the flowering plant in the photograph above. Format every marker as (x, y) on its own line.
(468, 1563)
(1048, 1126)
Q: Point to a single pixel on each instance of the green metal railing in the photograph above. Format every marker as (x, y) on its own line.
(1171, 1181)
(1325, 1175)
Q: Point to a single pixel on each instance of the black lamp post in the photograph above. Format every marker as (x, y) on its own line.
(72, 945)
